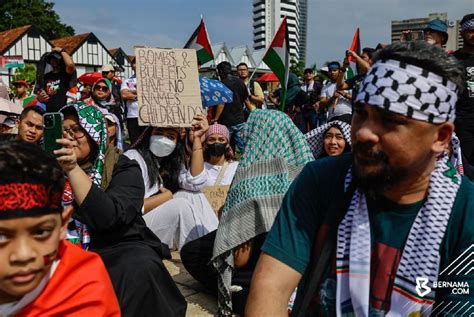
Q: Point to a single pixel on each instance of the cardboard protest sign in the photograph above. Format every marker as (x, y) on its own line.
(167, 87)
(216, 195)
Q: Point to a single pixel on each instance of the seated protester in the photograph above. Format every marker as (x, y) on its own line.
(30, 128)
(331, 139)
(357, 232)
(175, 219)
(265, 171)
(41, 274)
(101, 95)
(107, 194)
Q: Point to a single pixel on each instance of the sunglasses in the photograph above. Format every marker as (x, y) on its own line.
(102, 88)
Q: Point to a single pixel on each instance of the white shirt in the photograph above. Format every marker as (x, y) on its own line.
(343, 106)
(132, 106)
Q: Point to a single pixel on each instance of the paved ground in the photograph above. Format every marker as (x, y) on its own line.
(199, 303)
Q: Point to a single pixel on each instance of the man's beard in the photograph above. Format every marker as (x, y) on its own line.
(378, 179)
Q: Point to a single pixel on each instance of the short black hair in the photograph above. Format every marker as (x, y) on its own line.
(224, 68)
(467, 17)
(308, 70)
(24, 162)
(369, 51)
(243, 64)
(426, 56)
(36, 109)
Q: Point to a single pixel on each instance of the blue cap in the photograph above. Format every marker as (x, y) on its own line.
(438, 26)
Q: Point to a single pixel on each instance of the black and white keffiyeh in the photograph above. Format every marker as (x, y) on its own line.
(315, 138)
(467, 25)
(409, 90)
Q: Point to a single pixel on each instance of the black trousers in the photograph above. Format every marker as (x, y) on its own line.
(134, 130)
(196, 255)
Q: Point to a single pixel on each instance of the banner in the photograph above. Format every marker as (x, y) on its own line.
(12, 61)
(168, 89)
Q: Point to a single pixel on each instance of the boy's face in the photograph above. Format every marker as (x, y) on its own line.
(28, 247)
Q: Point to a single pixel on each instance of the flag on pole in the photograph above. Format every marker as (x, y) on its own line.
(355, 47)
(277, 58)
(200, 42)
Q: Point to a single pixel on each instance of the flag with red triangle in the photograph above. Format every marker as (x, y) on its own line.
(200, 42)
(355, 47)
(277, 58)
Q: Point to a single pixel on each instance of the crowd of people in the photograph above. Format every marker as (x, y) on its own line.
(336, 205)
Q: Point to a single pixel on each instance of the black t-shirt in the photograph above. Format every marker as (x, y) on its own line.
(233, 112)
(465, 104)
(56, 86)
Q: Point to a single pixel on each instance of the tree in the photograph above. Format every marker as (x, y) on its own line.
(297, 67)
(27, 73)
(39, 13)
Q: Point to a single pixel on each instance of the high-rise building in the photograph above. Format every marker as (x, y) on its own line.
(267, 15)
(417, 25)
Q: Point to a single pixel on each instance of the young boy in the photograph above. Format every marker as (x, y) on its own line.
(40, 273)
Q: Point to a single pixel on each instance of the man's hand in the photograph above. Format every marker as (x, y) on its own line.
(57, 49)
(42, 96)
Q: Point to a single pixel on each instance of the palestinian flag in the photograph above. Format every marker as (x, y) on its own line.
(200, 42)
(355, 47)
(277, 58)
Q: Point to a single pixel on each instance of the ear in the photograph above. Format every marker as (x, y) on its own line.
(444, 133)
(65, 217)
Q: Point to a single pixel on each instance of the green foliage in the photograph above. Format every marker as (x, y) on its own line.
(39, 13)
(297, 67)
(27, 73)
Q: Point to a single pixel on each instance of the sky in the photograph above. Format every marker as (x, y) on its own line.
(169, 23)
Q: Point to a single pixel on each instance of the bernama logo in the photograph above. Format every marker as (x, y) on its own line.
(457, 287)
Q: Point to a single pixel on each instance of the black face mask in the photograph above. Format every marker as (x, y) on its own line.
(216, 149)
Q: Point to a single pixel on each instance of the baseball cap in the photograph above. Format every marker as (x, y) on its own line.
(21, 82)
(308, 71)
(107, 68)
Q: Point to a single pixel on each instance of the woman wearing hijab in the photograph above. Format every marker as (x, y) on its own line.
(275, 153)
(330, 139)
(106, 191)
(101, 95)
(175, 217)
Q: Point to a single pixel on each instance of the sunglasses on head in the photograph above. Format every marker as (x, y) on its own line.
(102, 88)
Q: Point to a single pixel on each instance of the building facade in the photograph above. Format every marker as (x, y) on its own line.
(418, 24)
(267, 15)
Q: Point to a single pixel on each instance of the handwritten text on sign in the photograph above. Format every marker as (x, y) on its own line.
(216, 195)
(167, 87)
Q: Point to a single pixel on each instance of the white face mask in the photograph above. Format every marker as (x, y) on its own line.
(161, 146)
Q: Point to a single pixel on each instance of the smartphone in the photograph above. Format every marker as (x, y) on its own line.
(52, 130)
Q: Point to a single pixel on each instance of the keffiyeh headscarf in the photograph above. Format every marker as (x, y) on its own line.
(315, 138)
(93, 122)
(220, 129)
(275, 153)
(409, 90)
(418, 94)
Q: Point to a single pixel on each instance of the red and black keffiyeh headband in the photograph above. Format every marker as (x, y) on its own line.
(24, 199)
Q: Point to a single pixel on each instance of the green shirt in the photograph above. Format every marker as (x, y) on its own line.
(321, 184)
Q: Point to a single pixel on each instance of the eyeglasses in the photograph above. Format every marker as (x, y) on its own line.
(102, 88)
(75, 131)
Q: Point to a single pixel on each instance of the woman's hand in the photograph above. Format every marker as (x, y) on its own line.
(199, 128)
(66, 155)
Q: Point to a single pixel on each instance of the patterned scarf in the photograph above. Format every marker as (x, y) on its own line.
(420, 257)
(315, 138)
(275, 153)
(92, 121)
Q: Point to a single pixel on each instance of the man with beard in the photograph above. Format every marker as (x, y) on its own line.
(368, 233)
